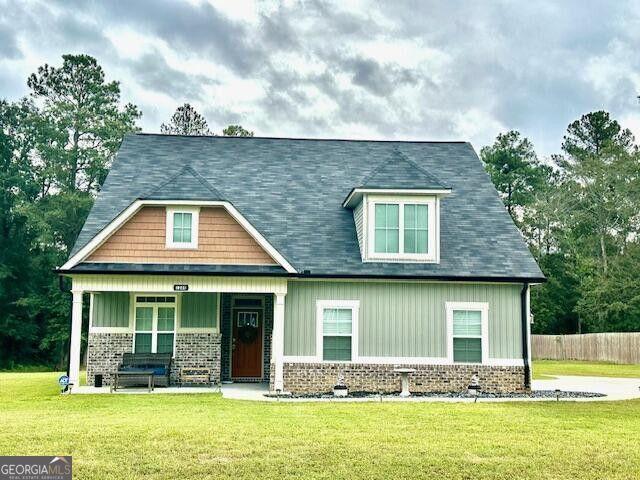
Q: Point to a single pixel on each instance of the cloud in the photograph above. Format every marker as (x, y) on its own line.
(408, 69)
(8, 45)
(152, 71)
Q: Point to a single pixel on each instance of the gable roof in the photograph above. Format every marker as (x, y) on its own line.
(398, 172)
(291, 191)
(187, 184)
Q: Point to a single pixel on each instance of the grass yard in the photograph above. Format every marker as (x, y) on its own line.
(548, 368)
(204, 436)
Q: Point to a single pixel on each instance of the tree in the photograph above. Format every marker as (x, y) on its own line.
(18, 335)
(82, 124)
(513, 166)
(55, 149)
(186, 121)
(601, 186)
(236, 131)
(612, 303)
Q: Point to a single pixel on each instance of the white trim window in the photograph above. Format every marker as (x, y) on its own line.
(403, 228)
(182, 227)
(467, 332)
(337, 330)
(154, 324)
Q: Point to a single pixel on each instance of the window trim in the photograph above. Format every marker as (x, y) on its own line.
(483, 308)
(433, 225)
(195, 220)
(321, 305)
(154, 321)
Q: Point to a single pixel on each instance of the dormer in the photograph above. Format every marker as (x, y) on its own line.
(396, 213)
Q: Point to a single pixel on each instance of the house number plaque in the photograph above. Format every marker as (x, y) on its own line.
(180, 288)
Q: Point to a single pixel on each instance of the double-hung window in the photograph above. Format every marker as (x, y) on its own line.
(468, 332)
(155, 323)
(402, 229)
(337, 330)
(182, 227)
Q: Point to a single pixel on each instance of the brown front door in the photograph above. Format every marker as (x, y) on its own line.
(246, 347)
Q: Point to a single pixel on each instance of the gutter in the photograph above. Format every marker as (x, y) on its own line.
(525, 340)
(305, 275)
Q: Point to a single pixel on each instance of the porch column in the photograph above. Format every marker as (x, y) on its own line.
(74, 344)
(277, 341)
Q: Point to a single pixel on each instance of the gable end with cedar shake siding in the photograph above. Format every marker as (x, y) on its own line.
(142, 240)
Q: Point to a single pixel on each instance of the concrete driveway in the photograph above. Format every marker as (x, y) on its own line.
(613, 388)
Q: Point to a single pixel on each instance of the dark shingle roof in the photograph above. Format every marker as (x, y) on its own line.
(187, 184)
(291, 190)
(400, 172)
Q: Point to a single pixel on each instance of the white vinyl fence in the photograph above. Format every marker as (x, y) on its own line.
(603, 347)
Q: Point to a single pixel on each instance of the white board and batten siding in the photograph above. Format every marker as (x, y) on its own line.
(162, 283)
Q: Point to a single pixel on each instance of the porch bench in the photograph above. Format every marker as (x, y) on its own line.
(195, 376)
(143, 369)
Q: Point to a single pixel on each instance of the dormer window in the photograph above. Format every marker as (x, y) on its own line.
(402, 228)
(182, 227)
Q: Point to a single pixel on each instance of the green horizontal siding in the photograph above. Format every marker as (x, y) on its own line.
(199, 310)
(111, 309)
(399, 319)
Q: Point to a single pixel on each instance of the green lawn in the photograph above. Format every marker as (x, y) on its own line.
(204, 436)
(548, 368)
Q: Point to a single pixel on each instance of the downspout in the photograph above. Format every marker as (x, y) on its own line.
(524, 317)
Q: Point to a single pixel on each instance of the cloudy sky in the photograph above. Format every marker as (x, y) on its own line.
(384, 70)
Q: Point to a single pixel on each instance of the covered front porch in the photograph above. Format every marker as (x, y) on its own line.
(230, 327)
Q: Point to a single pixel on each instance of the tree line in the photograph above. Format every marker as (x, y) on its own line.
(56, 146)
(578, 211)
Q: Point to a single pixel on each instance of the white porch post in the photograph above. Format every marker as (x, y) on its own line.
(277, 341)
(76, 330)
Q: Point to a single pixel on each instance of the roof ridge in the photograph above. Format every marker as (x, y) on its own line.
(187, 168)
(309, 139)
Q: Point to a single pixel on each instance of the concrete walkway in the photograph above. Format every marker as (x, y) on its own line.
(613, 388)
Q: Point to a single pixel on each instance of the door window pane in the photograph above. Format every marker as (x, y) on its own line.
(143, 343)
(165, 343)
(247, 319)
(144, 318)
(166, 318)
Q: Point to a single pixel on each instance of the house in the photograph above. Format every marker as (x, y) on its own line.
(298, 262)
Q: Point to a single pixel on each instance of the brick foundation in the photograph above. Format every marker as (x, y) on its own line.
(303, 378)
(197, 350)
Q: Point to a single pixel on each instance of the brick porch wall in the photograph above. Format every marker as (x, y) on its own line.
(197, 350)
(303, 378)
(104, 354)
